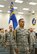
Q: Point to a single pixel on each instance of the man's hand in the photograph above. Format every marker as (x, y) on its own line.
(16, 50)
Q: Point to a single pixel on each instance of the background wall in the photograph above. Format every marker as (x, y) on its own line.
(4, 17)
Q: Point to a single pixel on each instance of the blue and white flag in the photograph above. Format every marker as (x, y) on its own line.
(12, 16)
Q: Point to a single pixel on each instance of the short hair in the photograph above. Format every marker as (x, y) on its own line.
(21, 19)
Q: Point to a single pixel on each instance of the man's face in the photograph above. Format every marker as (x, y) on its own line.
(31, 29)
(10, 28)
(2, 31)
(21, 23)
(6, 31)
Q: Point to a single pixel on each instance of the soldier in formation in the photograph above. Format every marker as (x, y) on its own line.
(7, 42)
(22, 38)
(32, 40)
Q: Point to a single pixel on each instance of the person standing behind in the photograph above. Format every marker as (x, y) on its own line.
(32, 40)
(9, 41)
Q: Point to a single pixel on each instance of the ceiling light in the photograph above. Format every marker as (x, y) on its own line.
(25, 8)
(32, 3)
(1, 5)
(0, 10)
(8, 11)
(20, 13)
(18, 1)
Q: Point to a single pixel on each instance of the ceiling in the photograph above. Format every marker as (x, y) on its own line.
(19, 6)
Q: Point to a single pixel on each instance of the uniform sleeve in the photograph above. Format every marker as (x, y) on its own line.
(5, 37)
(28, 36)
(13, 42)
(9, 38)
(14, 34)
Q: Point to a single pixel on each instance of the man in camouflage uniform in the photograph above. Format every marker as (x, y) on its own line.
(22, 38)
(2, 48)
(32, 40)
(10, 44)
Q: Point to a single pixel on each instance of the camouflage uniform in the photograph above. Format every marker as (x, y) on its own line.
(22, 41)
(32, 41)
(35, 46)
(9, 42)
(2, 48)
